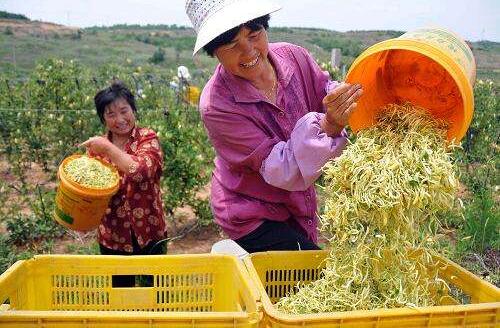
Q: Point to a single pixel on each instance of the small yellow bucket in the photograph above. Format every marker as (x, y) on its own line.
(431, 67)
(192, 95)
(77, 207)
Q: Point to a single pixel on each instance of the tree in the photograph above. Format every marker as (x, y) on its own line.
(158, 56)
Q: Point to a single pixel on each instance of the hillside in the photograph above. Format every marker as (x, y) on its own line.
(23, 43)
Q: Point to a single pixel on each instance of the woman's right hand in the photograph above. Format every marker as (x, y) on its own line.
(340, 104)
(99, 146)
(102, 147)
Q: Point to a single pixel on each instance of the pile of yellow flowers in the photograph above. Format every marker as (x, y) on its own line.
(383, 197)
(90, 173)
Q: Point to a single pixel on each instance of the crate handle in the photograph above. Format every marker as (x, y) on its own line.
(9, 281)
(132, 281)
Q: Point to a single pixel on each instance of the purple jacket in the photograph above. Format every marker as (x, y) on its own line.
(268, 157)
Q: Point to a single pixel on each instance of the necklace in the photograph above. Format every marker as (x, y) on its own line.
(271, 93)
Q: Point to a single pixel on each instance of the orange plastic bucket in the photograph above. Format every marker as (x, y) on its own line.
(431, 67)
(77, 207)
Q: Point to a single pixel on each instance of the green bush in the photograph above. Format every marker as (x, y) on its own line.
(181, 43)
(481, 230)
(77, 35)
(158, 56)
(25, 229)
(478, 234)
(7, 253)
(347, 46)
(54, 111)
(481, 141)
(334, 72)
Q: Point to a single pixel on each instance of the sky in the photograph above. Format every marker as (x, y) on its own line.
(472, 19)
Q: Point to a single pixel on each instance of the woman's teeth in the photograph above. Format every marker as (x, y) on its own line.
(252, 63)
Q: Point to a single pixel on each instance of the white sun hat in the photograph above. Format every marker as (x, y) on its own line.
(211, 18)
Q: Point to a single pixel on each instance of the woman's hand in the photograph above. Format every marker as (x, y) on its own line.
(98, 146)
(340, 104)
(102, 147)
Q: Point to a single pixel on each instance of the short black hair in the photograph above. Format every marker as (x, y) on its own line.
(228, 36)
(108, 95)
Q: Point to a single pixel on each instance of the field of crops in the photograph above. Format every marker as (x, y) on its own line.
(46, 109)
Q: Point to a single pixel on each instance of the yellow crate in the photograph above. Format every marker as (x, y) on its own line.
(276, 273)
(202, 290)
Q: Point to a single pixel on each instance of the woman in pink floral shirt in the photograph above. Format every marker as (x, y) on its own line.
(134, 222)
(274, 119)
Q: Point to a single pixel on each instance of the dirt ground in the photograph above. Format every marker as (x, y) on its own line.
(198, 241)
(195, 240)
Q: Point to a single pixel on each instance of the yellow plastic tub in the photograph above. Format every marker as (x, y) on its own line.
(192, 95)
(430, 67)
(75, 291)
(77, 207)
(277, 273)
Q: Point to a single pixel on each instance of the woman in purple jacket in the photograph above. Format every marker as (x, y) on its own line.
(272, 125)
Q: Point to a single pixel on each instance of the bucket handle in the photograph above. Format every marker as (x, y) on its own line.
(70, 150)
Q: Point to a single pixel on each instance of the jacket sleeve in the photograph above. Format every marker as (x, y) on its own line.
(294, 165)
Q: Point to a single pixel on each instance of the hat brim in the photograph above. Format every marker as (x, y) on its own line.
(232, 15)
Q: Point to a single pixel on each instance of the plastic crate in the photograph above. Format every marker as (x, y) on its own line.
(277, 273)
(76, 291)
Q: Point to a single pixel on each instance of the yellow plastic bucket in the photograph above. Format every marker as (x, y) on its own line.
(77, 207)
(430, 67)
(192, 95)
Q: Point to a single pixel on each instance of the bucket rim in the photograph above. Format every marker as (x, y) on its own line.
(436, 54)
(86, 190)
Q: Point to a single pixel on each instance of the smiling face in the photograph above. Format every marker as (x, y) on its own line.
(119, 118)
(246, 55)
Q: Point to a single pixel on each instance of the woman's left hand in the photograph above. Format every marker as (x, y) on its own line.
(99, 146)
(340, 104)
